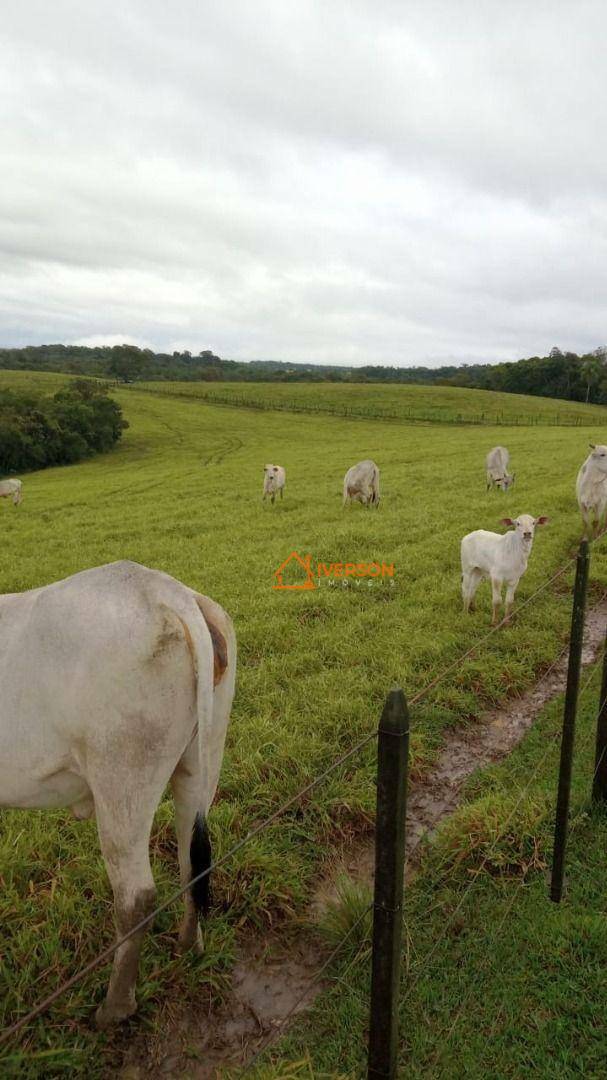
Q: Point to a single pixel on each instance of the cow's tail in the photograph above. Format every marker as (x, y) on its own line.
(214, 693)
(376, 486)
(201, 854)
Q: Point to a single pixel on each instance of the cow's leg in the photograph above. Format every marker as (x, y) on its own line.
(587, 519)
(510, 591)
(281, 493)
(471, 580)
(124, 835)
(273, 497)
(190, 827)
(496, 590)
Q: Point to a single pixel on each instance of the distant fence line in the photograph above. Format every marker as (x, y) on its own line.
(357, 412)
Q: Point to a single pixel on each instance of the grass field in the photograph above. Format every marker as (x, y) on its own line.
(498, 981)
(445, 404)
(182, 493)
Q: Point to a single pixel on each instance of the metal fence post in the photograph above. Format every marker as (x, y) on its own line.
(392, 761)
(599, 783)
(569, 714)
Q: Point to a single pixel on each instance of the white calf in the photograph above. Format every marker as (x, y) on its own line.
(274, 478)
(591, 489)
(500, 557)
(361, 483)
(12, 488)
(496, 464)
(114, 683)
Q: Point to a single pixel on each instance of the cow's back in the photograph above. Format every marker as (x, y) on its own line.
(87, 661)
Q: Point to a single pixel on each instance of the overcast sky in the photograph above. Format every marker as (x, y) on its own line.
(370, 181)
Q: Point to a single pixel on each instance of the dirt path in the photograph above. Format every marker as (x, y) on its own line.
(270, 976)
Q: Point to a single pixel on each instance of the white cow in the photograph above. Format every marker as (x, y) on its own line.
(274, 478)
(496, 464)
(361, 483)
(591, 489)
(12, 488)
(500, 557)
(114, 683)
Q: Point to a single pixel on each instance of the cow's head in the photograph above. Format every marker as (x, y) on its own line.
(599, 457)
(270, 474)
(524, 526)
(505, 481)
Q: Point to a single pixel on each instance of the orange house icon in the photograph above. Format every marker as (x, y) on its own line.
(306, 565)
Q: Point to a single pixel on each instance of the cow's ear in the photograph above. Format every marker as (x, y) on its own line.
(506, 521)
(541, 520)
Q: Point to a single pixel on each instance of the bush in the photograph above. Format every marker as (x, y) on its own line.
(37, 431)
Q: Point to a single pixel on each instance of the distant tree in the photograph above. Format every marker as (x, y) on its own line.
(126, 363)
(592, 369)
(555, 351)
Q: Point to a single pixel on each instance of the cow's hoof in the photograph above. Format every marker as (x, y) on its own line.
(189, 942)
(107, 1014)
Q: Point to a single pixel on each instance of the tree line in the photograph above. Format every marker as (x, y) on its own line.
(560, 374)
(38, 430)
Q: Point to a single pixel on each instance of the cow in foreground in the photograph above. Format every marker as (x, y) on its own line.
(11, 489)
(116, 682)
(361, 484)
(591, 490)
(274, 477)
(496, 464)
(501, 557)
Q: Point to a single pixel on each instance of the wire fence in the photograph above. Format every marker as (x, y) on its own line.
(348, 755)
(443, 1042)
(407, 415)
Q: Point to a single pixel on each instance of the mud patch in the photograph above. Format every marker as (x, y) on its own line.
(268, 981)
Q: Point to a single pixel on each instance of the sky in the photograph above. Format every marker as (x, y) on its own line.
(353, 182)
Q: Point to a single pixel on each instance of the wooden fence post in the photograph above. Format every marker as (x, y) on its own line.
(392, 762)
(569, 714)
(599, 783)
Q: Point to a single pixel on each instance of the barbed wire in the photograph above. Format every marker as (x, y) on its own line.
(572, 826)
(108, 952)
(489, 855)
(510, 904)
(283, 1022)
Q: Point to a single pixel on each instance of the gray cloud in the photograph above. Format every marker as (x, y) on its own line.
(362, 182)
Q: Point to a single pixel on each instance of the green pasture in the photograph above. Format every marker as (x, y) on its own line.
(182, 493)
(444, 404)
